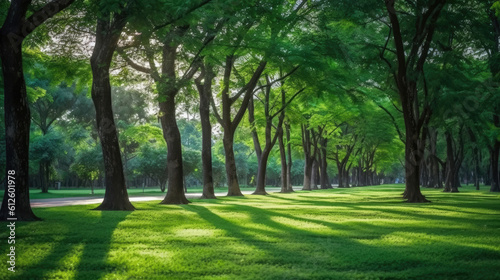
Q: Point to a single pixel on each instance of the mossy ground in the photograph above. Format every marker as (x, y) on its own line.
(357, 233)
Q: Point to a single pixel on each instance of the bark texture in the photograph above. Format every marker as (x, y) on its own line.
(17, 113)
(205, 91)
(409, 69)
(108, 33)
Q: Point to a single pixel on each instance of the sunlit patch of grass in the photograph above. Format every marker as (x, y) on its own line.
(357, 233)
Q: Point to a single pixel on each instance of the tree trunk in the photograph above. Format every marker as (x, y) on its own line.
(410, 65)
(308, 158)
(42, 175)
(494, 152)
(324, 180)
(412, 167)
(451, 168)
(107, 36)
(255, 136)
(289, 165)
(261, 173)
(307, 175)
(163, 184)
(284, 164)
(17, 114)
(340, 175)
(346, 178)
(233, 187)
(171, 134)
(205, 91)
(314, 175)
(17, 124)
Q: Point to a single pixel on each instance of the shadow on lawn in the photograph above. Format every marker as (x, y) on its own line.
(91, 257)
(312, 252)
(413, 251)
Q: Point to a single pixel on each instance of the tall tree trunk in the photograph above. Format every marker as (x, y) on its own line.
(325, 182)
(17, 124)
(171, 134)
(340, 175)
(407, 73)
(314, 175)
(308, 157)
(307, 175)
(494, 178)
(41, 174)
(107, 36)
(229, 125)
(434, 181)
(284, 164)
(289, 165)
(17, 114)
(347, 181)
(205, 91)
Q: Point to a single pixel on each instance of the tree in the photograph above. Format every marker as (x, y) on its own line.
(88, 164)
(204, 86)
(272, 111)
(168, 83)
(152, 162)
(45, 149)
(109, 27)
(229, 123)
(15, 29)
(407, 77)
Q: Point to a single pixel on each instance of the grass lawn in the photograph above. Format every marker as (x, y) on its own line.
(358, 233)
(86, 192)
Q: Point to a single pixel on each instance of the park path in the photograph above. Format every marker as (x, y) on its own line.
(67, 201)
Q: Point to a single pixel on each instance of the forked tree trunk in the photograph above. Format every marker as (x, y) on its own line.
(261, 173)
(411, 57)
(233, 186)
(107, 36)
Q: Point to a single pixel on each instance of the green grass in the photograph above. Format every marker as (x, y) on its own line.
(358, 233)
(86, 192)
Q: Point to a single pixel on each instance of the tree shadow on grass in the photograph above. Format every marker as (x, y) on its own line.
(84, 252)
(312, 252)
(325, 251)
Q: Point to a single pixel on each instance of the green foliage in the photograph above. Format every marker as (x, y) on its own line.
(496, 8)
(88, 164)
(151, 161)
(46, 148)
(191, 163)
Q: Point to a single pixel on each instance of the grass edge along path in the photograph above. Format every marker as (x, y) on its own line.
(358, 233)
